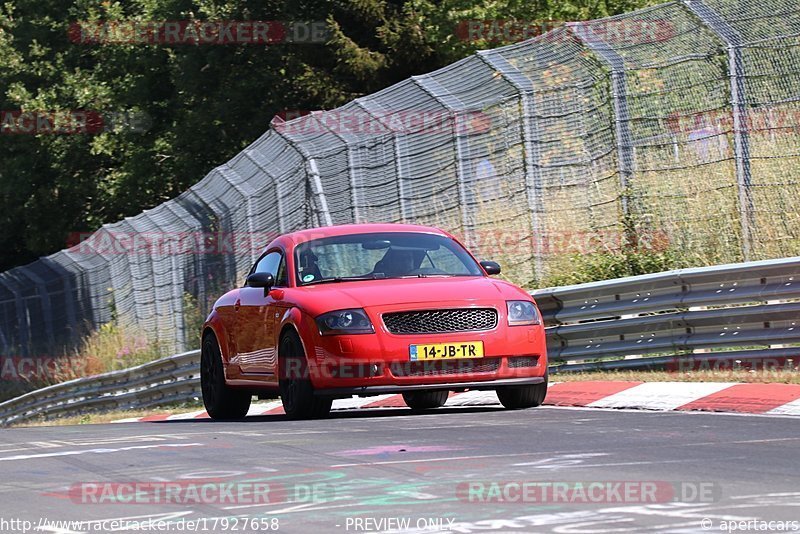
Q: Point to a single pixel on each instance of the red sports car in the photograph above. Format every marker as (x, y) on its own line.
(366, 310)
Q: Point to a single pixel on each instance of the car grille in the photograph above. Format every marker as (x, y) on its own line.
(437, 321)
(518, 362)
(445, 367)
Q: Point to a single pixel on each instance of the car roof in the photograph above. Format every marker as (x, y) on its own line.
(302, 236)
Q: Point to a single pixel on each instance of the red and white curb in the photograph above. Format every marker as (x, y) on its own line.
(770, 399)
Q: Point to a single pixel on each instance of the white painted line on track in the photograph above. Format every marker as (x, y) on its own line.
(96, 451)
(179, 416)
(128, 420)
(354, 403)
(660, 395)
(791, 408)
(260, 408)
(473, 398)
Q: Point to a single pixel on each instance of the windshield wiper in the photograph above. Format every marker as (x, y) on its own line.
(423, 275)
(344, 279)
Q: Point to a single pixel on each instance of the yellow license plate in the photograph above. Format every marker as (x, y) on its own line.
(446, 351)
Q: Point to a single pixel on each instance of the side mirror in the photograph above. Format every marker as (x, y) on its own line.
(265, 280)
(491, 267)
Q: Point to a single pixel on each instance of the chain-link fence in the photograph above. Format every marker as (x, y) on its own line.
(677, 126)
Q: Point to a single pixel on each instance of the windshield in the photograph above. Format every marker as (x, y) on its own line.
(381, 255)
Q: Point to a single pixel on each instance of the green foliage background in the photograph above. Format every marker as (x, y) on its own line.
(203, 103)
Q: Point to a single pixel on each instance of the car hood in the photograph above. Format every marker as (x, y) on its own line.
(369, 293)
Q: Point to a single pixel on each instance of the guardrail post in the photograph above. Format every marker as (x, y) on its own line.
(741, 137)
(622, 119)
(533, 172)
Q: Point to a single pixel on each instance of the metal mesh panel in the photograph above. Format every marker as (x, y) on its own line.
(769, 34)
(675, 126)
(682, 177)
(572, 188)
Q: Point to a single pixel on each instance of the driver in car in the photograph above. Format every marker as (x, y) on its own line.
(397, 262)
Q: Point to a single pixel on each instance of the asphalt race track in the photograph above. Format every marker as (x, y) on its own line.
(455, 469)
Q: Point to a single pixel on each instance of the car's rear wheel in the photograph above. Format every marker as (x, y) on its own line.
(221, 402)
(425, 400)
(518, 397)
(297, 392)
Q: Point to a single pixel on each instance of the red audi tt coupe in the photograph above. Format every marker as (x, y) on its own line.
(369, 309)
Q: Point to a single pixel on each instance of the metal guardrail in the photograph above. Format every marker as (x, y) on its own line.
(171, 379)
(746, 308)
(748, 311)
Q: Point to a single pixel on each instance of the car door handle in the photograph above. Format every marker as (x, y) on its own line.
(237, 305)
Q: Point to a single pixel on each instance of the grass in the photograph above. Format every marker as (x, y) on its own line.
(109, 348)
(94, 418)
(741, 375)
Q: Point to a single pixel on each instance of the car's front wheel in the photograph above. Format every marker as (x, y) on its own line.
(518, 397)
(221, 402)
(425, 400)
(297, 392)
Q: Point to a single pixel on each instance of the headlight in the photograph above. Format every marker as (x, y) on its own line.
(344, 322)
(521, 312)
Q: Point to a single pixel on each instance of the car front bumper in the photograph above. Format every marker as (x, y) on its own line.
(366, 391)
(380, 363)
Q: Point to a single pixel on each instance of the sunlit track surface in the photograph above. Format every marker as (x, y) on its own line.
(391, 467)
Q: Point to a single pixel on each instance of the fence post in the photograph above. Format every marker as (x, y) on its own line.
(278, 203)
(351, 170)
(533, 172)
(247, 193)
(47, 309)
(22, 317)
(741, 137)
(323, 213)
(369, 107)
(622, 121)
(453, 105)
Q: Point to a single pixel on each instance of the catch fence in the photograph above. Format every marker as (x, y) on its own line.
(589, 139)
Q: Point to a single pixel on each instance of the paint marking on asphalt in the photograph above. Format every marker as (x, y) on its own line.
(583, 393)
(660, 395)
(790, 408)
(474, 398)
(749, 398)
(96, 451)
(188, 415)
(354, 403)
(445, 459)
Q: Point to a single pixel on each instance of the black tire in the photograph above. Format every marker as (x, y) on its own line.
(296, 390)
(425, 400)
(518, 397)
(221, 401)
